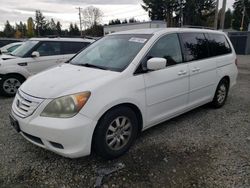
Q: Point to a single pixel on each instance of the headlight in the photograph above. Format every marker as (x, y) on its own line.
(67, 106)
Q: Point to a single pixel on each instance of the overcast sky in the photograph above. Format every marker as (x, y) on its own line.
(65, 10)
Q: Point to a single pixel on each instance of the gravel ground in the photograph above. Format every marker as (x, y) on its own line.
(202, 148)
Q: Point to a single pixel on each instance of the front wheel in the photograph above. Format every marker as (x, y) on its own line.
(115, 133)
(221, 93)
(10, 84)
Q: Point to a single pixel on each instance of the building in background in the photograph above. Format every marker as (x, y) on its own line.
(130, 26)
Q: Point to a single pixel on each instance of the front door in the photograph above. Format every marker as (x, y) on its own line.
(50, 56)
(166, 89)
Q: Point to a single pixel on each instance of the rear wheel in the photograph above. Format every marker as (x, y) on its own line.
(115, 133)
(10, 84)
(221, 93)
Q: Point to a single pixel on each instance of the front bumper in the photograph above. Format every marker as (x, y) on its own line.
(71, 137)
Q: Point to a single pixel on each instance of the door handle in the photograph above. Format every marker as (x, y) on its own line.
(182, 72)
(195, 69)
(22, 64)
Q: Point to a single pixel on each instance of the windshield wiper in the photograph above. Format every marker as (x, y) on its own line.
(92, 66)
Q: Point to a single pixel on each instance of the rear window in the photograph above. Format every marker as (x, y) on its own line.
(74, 47)
(195, 46)
(218, 44)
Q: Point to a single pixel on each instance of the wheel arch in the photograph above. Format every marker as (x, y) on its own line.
(15, 74)
(227, 78)
(132, 106)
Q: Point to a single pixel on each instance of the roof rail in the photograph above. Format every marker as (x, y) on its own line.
(197, 27)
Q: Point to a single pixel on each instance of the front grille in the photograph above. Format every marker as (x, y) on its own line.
(24, 105)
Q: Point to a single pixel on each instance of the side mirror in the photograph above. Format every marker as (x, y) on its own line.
(3, 51)
(156, 63)
(35, 54)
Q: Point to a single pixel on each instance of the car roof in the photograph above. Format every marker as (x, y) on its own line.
(11, 45)
(63, 39)
(155, 31)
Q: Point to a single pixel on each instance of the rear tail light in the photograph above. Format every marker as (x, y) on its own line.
(236, 62)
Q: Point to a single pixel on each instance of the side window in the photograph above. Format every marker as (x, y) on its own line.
(195, 46)
(49, 48)
(73, 47)
(11, 49)
(218, 44)
(167, 47)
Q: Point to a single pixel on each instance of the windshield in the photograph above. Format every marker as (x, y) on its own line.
(24, 48)
(113, 52)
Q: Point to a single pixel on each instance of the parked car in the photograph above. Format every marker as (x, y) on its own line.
(5, 41)
(10, 47)
(121, 85)
(35, 55)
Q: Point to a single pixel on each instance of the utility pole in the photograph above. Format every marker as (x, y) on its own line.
(243, 16)
(180, 21)
(80, 18)
(216, 15)
(222, 18)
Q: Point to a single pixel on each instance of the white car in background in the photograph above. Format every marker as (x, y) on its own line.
(10, 47)
(122, 84)
(35, 55)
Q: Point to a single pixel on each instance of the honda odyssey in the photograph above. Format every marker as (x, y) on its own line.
(121, 85)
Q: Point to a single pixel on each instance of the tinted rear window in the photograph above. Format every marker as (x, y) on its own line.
(218, 44)
(195, 46)
(73, 47)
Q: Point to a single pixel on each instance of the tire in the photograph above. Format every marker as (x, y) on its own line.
(221, 94)
(111, 141)
(10, 84)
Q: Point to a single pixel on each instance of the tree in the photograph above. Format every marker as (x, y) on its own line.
(160, 9)
(195, 12)
(237, 14)
(132, 20)
(114, 22)
(52, 27)
(94, 31)
(58, 28)
(9, 30)
(228, 19)
(41, 23)
(21, 30)
(199, 13)
(91, 16)
(18, 34)
(31, 26)
(125, 21)
(74, 30)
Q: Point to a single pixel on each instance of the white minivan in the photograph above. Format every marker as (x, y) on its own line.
(35, 55)
(123, 84)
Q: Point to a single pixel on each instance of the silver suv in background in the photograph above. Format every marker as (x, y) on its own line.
(34, 56)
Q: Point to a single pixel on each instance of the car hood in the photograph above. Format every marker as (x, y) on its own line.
(64, 80)
(7, 57)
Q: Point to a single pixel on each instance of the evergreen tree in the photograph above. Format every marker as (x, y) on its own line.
(58, 28)
(95, 31)
(199, 13)
(114, 22)
(228, 19)
(238, 12)
(41, 23)
(9, 30)
(160, 9)
(30, 29)
(74, 30)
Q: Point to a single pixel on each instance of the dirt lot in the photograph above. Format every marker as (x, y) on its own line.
(202, 148)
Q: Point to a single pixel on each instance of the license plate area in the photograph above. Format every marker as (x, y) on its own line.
(14, 123)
